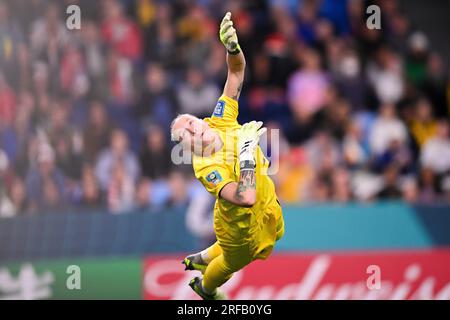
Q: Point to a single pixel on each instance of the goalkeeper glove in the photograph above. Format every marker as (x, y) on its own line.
(228, 36)
(248, 138)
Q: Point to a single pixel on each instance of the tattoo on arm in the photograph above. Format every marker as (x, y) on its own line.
(238, 93)
(246, 182)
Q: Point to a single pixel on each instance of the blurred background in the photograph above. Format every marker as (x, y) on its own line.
(86, 176)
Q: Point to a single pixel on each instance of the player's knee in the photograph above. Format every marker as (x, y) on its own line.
(236, 264)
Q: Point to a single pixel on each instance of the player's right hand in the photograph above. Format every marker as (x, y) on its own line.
(248, 139)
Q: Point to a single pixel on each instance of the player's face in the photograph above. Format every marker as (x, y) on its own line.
(195, 133)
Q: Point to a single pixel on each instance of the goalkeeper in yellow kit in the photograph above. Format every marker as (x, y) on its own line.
(230, 164)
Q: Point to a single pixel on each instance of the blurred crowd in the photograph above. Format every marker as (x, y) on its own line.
(84, 114)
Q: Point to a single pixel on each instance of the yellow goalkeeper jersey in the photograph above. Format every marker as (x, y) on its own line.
(235, 225)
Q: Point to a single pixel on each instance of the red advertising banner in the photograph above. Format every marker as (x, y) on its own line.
(397, 275)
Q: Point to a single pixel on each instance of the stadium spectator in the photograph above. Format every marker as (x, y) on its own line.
(321, 189)
(334, 116)
(416, 59)
(18, 196)
(410, 191)
(355, 152)
(435, 153)
(90, 196)
(48, 40)
(341, 191)
(121, 189)
(52, 197)
(73, 74)
(387, 128)
(96, 132)
(323, 151)
(91, 47)
(143, 194)
(7, 103)
(119, 75)
(423, 125)
(62, 138)
(200, 214)
(160, 194)
(7, 208)
(158, 101)
(164, 47)
(11, 42)
(120, 32)
(397, 154)
(391, 189)
(307, 87)
(355, 105)
(155, 158)
(197, 96)
(15, 138)
(45, 184)
(434, 86)
(179, 185)
(385, 74)
(429, 186)
(117, 163)
(348, 77)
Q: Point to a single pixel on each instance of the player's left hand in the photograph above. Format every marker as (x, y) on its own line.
(248, 139)
(227, 34)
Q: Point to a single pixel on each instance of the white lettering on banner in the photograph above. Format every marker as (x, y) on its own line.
(27, 286)
(176, 290)
(412, 273)
(426, 290)
(311, 285)
(312, 278)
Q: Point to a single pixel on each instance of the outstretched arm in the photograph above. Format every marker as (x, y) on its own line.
(235, 58)
(242, 193)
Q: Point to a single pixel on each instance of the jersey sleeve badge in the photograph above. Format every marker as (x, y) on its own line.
(214, 177)
(219, 109)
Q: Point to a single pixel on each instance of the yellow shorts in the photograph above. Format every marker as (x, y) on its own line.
(261, 239)
(245, 245)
